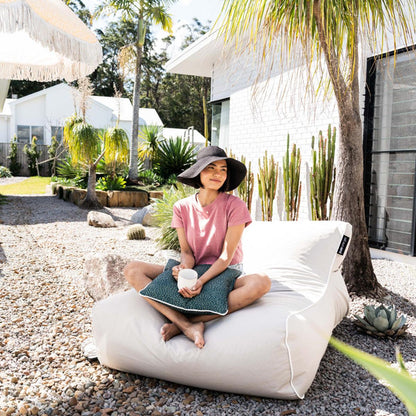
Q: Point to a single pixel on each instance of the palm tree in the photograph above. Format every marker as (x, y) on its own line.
(330, 30)
(144, 11)
(88, 145)
(151, 137)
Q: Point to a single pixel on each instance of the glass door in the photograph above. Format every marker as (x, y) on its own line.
(390, 171)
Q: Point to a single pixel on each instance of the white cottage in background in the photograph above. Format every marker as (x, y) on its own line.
(42, 114)
(251, 114)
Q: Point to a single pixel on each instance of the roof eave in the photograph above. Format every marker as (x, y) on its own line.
(198, 58)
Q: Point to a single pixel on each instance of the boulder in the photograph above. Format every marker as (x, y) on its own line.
(144, 216)
(100, 219)
(103, 275)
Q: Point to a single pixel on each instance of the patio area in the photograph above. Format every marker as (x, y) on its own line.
(45, 317)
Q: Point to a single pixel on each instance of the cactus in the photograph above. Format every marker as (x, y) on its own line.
(322, 176)
(381, 321)
(245, 189)
(267, 183)
(136, 232)
(291, 182)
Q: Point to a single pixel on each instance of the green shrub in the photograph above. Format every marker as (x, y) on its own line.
(173, 156)
(5, 173)
(149, 177)
(52, 152)
(168, 238)
(110, 183)
(33, 155)
(67, 169)
(14, 166)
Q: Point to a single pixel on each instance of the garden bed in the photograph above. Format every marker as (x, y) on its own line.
(136, 198)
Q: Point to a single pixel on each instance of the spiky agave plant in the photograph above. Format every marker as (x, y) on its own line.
(381, 321)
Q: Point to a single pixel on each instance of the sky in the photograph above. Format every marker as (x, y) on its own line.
(182, 12)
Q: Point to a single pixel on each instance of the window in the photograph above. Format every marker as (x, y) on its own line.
(390, 148)
(58, 132)
(37, 131)
(220, 123)
(26, 133)
(23, 134)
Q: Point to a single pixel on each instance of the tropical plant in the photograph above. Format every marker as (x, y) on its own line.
(88, 145)
(267, 185)
(399, 381)
(116, 149)
(52, 152)
(5, 173)
(173, 156)
(381, 321)
(168, 238)
(84, 145)
(66, 168)
(328, 32)
(144, 11)
(136, 232)
(151, 137)
(149, 177)
(245, 189)
(111, 183)
(14, 165)
(291, 182)
(322, 176)
(33, 155)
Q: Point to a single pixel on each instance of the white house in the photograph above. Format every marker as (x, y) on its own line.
(252, 113)
(42, 114)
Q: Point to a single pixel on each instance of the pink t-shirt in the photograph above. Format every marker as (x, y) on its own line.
(205, 227)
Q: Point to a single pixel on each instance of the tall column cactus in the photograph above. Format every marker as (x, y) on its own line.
(291, 182)
(267, 183)
(245, 189)
(322, 176)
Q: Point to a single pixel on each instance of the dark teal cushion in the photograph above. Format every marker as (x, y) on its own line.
(213, 298)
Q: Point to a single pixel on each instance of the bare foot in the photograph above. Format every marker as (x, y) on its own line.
(169, 331)
(195, 332)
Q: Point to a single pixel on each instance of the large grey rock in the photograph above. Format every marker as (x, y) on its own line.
(144, 216)
(103, 275)
(100, 219)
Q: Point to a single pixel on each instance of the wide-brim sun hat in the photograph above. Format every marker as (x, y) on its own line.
(236, 170)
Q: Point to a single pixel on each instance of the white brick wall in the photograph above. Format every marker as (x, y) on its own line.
(258, 123)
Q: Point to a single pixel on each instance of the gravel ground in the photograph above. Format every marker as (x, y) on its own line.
(45, 316)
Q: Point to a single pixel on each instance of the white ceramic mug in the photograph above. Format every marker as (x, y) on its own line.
(187, 278)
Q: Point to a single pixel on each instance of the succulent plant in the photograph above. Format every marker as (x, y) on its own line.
(136, 232)
(382, 321)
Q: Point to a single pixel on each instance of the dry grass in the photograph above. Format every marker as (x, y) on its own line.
(30, 186)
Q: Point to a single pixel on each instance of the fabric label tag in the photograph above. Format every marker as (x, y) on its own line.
(343, 245)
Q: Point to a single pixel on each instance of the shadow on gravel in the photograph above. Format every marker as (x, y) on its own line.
(43, 209)
(3, 259)
(133, 394)
(39, 209)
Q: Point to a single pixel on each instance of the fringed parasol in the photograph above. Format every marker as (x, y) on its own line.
(43, 40)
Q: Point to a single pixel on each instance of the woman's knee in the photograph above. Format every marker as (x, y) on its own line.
(132, 270)
(262, 284)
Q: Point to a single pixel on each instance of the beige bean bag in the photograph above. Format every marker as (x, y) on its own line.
(272, 348)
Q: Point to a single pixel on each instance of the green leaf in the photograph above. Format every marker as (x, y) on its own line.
(399, 382)
(381, 323)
